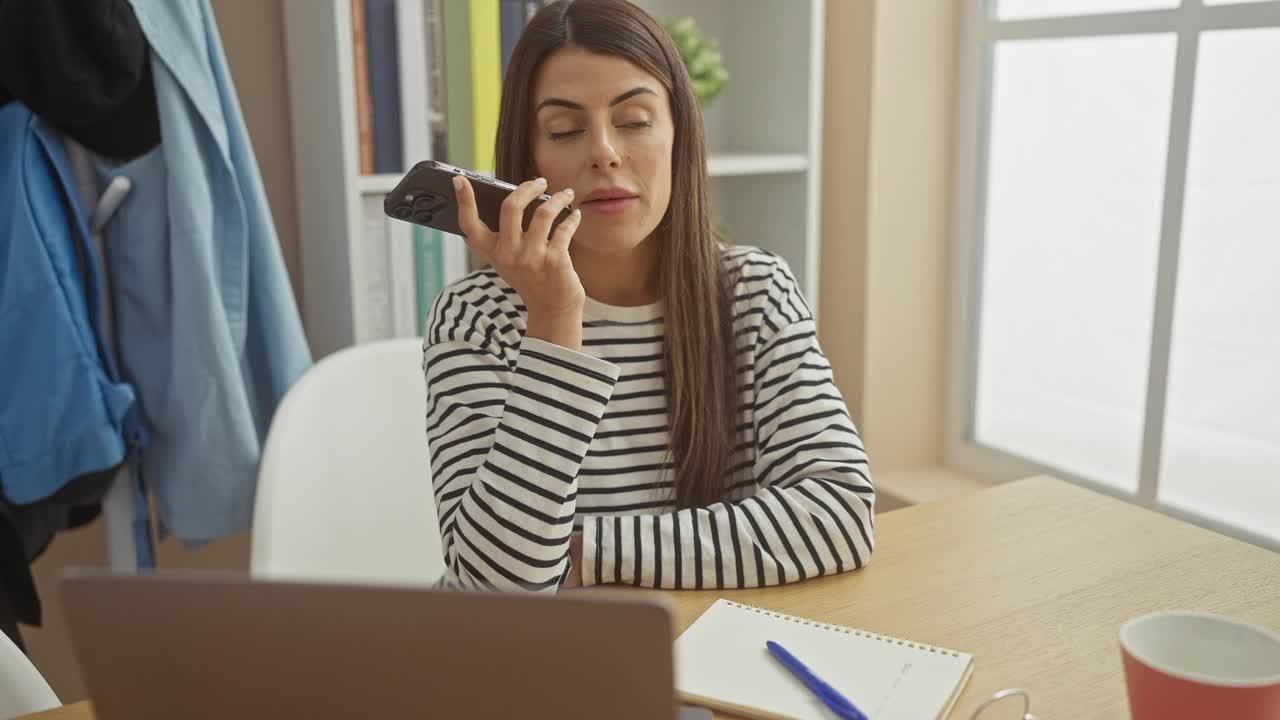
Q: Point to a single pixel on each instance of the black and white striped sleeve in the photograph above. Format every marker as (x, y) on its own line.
(507, 434)
(812, 514)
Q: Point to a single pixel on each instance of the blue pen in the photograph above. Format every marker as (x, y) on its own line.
(838, 703)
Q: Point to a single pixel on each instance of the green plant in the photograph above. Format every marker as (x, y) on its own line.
(701, 58)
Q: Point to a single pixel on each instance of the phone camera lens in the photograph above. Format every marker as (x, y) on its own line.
(424, 217)
(401, 212)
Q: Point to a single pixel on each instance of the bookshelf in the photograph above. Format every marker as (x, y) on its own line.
(763, 135)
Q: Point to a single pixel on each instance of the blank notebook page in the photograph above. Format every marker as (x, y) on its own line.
(721, 662)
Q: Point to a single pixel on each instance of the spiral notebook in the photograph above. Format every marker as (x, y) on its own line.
(722, 663)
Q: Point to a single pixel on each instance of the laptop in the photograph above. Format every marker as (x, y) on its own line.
(205, 646)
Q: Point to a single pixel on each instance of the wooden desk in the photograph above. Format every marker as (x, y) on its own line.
(1034, 578)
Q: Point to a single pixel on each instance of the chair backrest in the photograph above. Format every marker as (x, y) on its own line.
(22, 688)
(344, 488)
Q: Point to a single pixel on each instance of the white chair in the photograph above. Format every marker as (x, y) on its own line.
(22, 687)
(344, 488)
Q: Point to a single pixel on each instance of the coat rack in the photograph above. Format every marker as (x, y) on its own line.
(118, 503)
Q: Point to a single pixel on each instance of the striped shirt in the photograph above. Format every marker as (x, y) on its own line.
(530, 441)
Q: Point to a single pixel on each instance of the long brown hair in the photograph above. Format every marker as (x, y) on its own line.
(698, 353)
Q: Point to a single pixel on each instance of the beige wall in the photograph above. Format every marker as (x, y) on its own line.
(253, 37)
(254, 41)
(890, 89)
(845, 143)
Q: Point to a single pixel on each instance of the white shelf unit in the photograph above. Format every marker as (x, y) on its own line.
(731, 164)
(764, 137)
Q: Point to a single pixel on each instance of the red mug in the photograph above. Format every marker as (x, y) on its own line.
(1199, 665)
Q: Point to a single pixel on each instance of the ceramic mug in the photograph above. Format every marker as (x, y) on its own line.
(1200, 665)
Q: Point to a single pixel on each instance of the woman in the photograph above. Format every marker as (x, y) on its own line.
(623, 399)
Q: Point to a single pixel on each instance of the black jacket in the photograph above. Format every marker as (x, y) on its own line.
(84, 67)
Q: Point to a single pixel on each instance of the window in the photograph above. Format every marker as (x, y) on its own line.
(1117, 279)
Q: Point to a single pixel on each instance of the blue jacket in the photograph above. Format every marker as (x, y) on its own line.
(63, 410)
(208, 329)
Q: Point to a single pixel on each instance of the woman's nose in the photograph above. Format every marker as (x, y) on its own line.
(603, 153)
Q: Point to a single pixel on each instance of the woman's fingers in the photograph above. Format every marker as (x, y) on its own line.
(563, 234)
(511, 221)
(478, 235)
(540, 226)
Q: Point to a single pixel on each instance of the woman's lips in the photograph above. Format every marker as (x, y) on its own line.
(612, 206)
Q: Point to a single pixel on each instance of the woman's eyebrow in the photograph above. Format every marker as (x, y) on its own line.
(561, 102)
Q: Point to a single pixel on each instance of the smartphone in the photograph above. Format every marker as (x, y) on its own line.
(425, 197)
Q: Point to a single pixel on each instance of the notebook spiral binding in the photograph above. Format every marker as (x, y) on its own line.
(847, 630)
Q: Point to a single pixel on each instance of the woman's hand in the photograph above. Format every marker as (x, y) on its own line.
(535, 261)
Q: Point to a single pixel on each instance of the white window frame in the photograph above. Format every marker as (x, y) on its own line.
(979, 32)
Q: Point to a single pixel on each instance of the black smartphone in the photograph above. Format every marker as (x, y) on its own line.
(425, 196)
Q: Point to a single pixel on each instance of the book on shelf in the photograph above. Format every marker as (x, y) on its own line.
(402, 276)
(486, 79)
(384, 84)
(456, 25)
(414, 66)
(513, 22)
(428, 266)
(364, 103)
(433, 40)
